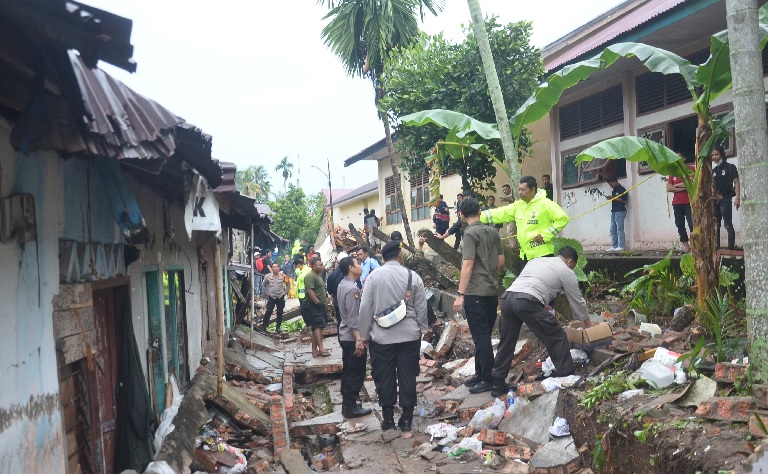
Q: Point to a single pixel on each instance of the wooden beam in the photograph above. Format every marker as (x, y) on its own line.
(419, 262)
(444, 250)
(219, 317)
(358, 237)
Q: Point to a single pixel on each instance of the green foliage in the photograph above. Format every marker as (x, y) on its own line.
(608, 387)
(661, 159)
(696, 357)
(649, 429)
(288, 326)
(598, 454)
(509, 277)
(722, 325)
(581, 263)
(253, 181)
(435, 73)
(296, 215)
(361, 32)
(285, 168)
(658, 289)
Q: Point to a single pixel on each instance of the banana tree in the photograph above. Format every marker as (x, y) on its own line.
(705, 83)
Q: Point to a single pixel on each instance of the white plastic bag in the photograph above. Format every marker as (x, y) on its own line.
(497, 409)
(442, 430)
(159, 467)
(482, 419)
(166, 419)
(555, 383)
(466, 444)
(548, 367)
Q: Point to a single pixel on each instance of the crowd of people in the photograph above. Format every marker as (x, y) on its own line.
(382, 309)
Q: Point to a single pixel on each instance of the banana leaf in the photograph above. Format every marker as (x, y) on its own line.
(548, 94)
(463, 124)
(636, 149)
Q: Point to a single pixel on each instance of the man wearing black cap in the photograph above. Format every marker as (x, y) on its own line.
(394, 349)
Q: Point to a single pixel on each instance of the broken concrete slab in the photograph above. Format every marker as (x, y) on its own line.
(560, 453)
(259, 359)
(256, 341)
(534, 419)
(465, 371)
(293, 462)
(237, 365)
(454, 364)
(241, 409)
(321, 425)
(701, 390)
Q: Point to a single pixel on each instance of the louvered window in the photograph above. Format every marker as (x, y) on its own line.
(393, 214)
(420, 197)
(592, 113)
(655, 91)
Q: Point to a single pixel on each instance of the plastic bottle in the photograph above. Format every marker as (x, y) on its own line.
(510, 397)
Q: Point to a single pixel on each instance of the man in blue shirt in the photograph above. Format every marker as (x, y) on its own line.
(368, 263)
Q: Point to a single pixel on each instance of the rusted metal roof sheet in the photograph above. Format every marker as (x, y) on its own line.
(611, 31)
(122, 124)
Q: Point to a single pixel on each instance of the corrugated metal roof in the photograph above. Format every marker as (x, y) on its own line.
(611, 31)
(122, 124)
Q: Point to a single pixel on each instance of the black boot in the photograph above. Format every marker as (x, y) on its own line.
(351, 410)
(388, 419)
(406, 419)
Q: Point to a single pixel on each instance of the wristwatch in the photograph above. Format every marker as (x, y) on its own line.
(460, 293)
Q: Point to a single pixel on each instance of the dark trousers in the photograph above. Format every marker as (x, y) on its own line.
(683, 214)
(352, 374)
(457, 243)
(394, 368)
(723, 210)
(519, 308)
(481, 315)
(271, 304)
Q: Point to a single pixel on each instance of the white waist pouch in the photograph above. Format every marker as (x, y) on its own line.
(395, 313)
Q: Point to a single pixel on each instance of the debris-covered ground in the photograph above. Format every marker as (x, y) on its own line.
(281, 408)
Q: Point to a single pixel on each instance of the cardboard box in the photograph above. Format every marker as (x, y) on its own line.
(591, 338)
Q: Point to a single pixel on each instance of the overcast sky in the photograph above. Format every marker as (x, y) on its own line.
(256, 76)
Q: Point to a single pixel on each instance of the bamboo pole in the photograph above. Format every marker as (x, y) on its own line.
(253, 292)
(219, 318)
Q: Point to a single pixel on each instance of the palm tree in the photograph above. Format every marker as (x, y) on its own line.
(361, 33)
(494, 90)
(253, 181)
(286, 167)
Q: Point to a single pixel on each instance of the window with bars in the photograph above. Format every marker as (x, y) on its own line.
(592, 113)
(594, 171)
(656, 91)
(420, 197)
(393, 212)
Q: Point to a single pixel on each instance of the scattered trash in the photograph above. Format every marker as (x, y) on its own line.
(626, 395)
(469, 444)
(489, 417)
(548, 367)
(446, 431)
(579, 357)
(650, 329)
(166, 419)
(555, 383)
(560, 428)
(425, 448)
(159, 467)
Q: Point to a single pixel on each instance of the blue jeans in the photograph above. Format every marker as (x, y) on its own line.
(617, 228)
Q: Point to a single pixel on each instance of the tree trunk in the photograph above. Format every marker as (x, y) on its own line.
(396, 178)
(752, 134)
(703, 236)
(494, 90)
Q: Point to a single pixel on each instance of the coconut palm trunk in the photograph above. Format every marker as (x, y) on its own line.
(752, 133)
(494, 90)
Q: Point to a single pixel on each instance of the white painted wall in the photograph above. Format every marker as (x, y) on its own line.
(177, 253)
(31, 428)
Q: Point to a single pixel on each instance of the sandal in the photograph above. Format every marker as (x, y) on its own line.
(325, 354)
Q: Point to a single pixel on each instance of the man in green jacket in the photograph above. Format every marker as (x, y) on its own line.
(538, 220)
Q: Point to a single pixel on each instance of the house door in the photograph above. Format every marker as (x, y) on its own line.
(155, 350)
(108, 304)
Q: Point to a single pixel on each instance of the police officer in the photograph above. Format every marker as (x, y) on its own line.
(395, 349)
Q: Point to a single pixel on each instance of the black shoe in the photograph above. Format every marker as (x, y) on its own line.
(484, 386)
(355, 412)
(472, 381)
(500, 389)
(405, 424)
(388, 424)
